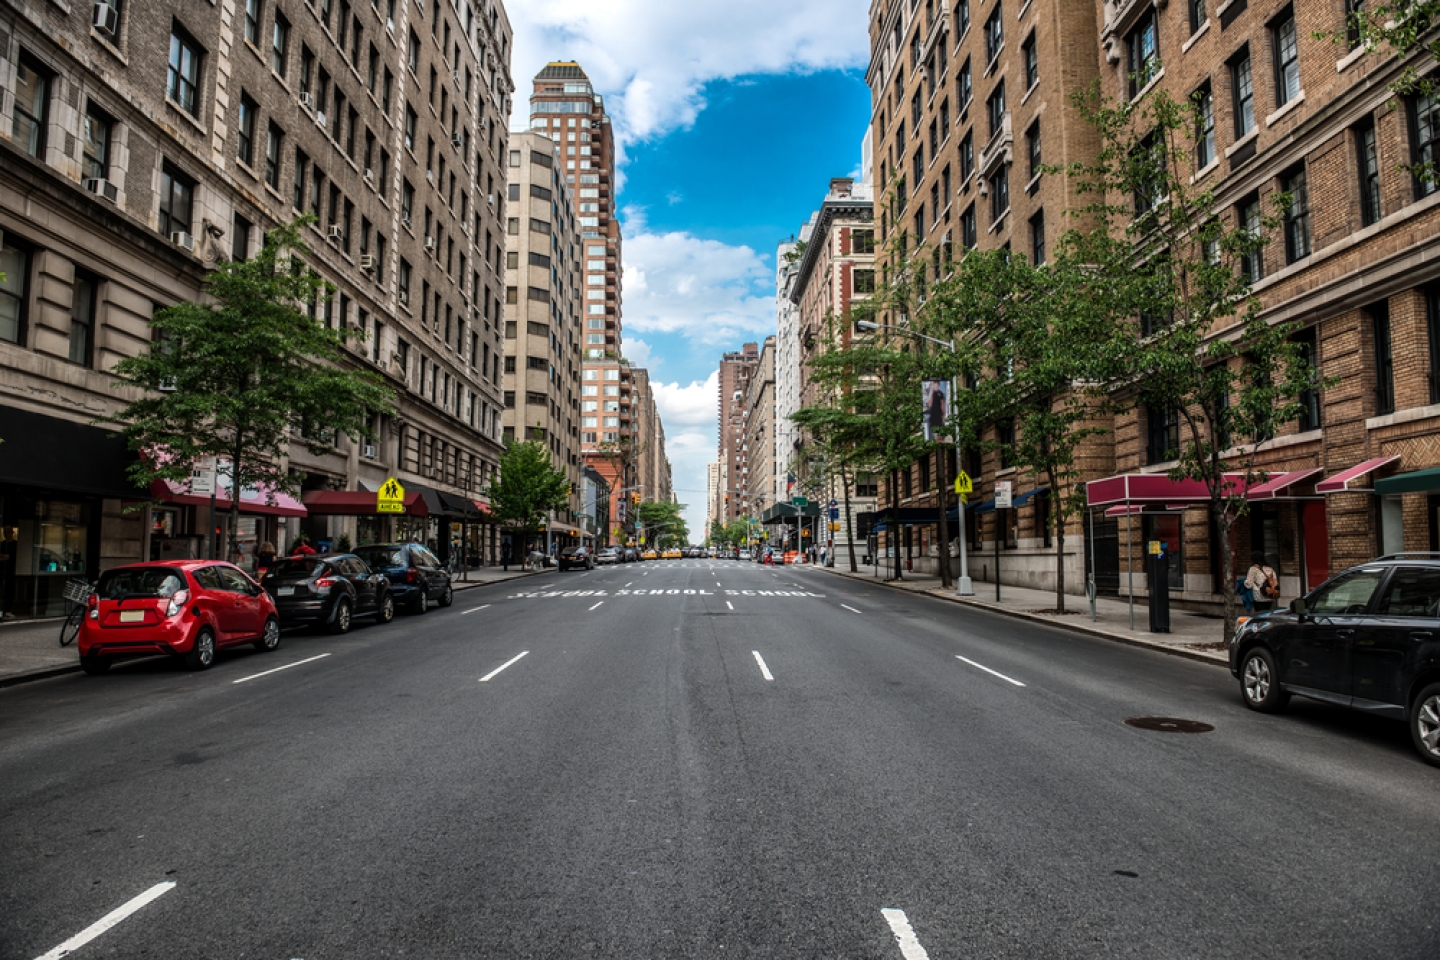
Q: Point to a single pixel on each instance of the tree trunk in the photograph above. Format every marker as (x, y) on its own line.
(1224, 522)
(849, 518)
(892, 529)
(942, 463)
(1057, 515)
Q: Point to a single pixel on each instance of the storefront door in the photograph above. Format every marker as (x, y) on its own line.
(1315, 541)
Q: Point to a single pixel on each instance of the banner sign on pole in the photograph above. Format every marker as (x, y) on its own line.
(1004, 494)
(202, 477)
(936, 399)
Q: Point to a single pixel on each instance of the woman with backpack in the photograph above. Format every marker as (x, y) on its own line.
(1263, 582)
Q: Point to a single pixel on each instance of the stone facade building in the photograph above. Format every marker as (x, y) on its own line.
(140, 144)
(760, 428)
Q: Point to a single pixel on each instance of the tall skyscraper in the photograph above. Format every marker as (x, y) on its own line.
(736, 369)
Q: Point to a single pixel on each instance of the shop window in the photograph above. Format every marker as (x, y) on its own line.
(1042, 517)
(1167, 529)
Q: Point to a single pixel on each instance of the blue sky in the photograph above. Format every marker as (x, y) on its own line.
(731, 120)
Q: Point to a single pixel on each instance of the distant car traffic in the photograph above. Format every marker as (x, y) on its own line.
(579, 556)
(649, 555)
(1368, 638)
(743, 555)
(330, 591)
(632, 555)
(674, 553)
(610, 555)
(416, 577)
(187, 608)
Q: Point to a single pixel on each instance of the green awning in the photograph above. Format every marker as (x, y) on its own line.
(1421, 481)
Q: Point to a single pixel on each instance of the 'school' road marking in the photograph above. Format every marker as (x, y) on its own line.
(475, 610)
(910, 947)
(508, 663)
(764, 670)
(106, 922)
(979, 666)
(256, 676)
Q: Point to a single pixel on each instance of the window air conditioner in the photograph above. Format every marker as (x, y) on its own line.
(404, 299)
(370, 176)
(457, 139)
(369, 451)
(103, 188)
(389, 25)
(335, 232)
(320, 119)
(307, 101)
(367, 262)
(429, 244)
(166, 386)
(107, 18)
(182, 239)
(430, 175)
(406, 221)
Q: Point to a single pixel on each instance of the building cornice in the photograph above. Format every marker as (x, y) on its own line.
(830, 212)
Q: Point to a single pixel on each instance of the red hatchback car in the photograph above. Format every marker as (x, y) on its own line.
(189, 608)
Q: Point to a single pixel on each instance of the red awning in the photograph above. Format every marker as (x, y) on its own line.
(357, 503)
(269, 501)
(1144, 488)
(1136, 510)
(484, 508)
(1278, 482)
(1342, 480)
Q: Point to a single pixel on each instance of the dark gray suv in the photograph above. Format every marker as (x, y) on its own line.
(1367, 638)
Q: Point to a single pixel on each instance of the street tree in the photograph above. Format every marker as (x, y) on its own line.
(1190, 344)
(241, 375)
(529, 488)
(666, 520)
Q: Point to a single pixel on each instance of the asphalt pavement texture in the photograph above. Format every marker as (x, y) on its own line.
(703, 759)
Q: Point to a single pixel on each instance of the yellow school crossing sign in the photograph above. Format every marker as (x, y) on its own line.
(391, 498)
(963, 483)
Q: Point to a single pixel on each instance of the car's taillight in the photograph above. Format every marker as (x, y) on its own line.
(411, 576)
(92, 606)
(323, 585)
(177, 602)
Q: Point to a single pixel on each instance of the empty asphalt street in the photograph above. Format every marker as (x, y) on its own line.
(705, 759)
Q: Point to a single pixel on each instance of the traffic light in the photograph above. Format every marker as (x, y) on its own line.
(635, 499)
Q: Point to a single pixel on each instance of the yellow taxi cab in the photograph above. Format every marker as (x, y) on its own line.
(674, 553)
(649, 555)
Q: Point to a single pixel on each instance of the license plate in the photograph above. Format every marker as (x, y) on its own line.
(132, 616)
(284, 591)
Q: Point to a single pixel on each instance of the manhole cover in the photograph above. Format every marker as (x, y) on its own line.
(1169, 725)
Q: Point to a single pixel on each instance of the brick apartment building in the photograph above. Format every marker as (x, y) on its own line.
(733, 487)
(140, 144)
(542, 316)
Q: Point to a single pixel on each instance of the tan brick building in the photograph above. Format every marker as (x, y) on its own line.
(141, 143)
(733, 487)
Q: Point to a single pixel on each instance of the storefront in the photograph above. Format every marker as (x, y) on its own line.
(182, 523)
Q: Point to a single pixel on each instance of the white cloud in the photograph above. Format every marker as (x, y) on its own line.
(710, 292)
(637, 351)
(689, 414)
(652, 58)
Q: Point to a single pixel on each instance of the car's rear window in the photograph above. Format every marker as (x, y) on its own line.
(140, 582)
(297, 568)
(383, 556)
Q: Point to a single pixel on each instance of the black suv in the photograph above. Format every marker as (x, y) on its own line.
(330, 591)
(1367, 638)
(416, 576)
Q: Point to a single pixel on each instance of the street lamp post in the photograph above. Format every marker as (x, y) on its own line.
(963, 585)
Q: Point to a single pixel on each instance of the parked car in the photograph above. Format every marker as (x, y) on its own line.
(331, 591)
(1367, 638)
(743, 555)
(416, 577)
(580, 556)
(649, 554)
(632, 555)
(610, 555)
(188, 608)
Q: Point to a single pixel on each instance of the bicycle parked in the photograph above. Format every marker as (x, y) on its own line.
(77, 593)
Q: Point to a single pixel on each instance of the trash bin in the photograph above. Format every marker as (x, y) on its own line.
(1159, 588)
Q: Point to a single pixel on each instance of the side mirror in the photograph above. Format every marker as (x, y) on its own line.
(1297, 606)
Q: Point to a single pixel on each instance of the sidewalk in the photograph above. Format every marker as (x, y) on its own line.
(30, 649)
(1192, 635)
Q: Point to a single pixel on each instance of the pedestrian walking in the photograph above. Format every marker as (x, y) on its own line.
(1262, 584)
(505, 557)
(264, 558)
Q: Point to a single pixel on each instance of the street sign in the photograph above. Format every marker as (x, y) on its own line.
(202, 477)
(963, 483)
(1004, 493)
(834, 504)
(834, 513)
(799, 501)
(834, 528)
(391, 498)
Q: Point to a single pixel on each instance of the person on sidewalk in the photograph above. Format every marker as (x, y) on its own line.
(303, 548)
(505, 557)
(1263, 583)
(264, 558)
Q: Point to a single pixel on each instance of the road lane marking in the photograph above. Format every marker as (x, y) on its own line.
(601, 603)
(978, 666)
(106, 922)
(850, 608)
(508, 663)
(764, 670)
(475, 610)
(729, 604)
(910, 947)
(287, 666)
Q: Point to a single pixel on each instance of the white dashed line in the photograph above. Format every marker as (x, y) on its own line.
(601, 603)
(287, 666)
(508, 663)
(910, 947)
(475, 610)
(106, 922)
(764, 670)
(978, 666)
(850, 608)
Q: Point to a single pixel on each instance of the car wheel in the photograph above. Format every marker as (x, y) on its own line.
(1425, 724)
(202, 654)
(387, 609)
(270, 637)
(421, 603)
(341, 623)
(1259, 684)
(94, 666)
(448, 597)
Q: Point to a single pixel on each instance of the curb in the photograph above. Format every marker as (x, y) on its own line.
(461, 585)
(44, 673)
(1143, 644)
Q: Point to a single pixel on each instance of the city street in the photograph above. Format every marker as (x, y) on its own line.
(703, 759)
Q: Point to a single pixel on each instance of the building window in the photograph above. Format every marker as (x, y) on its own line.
(1243, 90)
(32, 107)
(273, 140)
(82, 319)
(1162, 435)
(240, 231)
(1432, 304)
(964, 88)
(1287, 57)
(1032, 148)
(245, 130)
(1000, 193)
(1198, 15)
(968, 232)
(1297, 215)
(177, 193)
(1252, 262)
(1204, 101)
(1032, 61)
(1425, 142)
(14, 274)
(280, 44)
(994, 34)
(184, 76)
(1369, 155)
(1354, 20)
(96, 158)
(995, 108)
(1384, 358)
(411, 121)
(302, 164)
(412, 56)
(1037, 238)
(1143, 50)
(252, 22)
(1310, 397)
